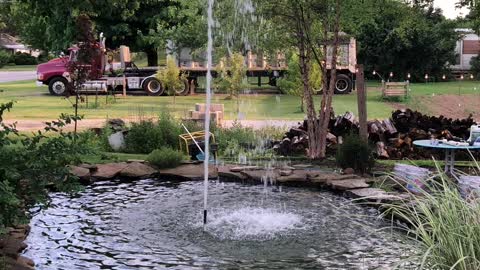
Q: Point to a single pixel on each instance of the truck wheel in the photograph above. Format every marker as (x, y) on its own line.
(183, 91)
(343, 84)
(153, 87)
(58, 86)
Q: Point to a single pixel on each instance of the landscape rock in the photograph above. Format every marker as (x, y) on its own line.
(323, 178)
(116, 124)
(244, 168)
(285, 172)
(26, 262)
(258, 175)
(109, 170)
(137, 170)
(343, 185)
(188, 172)
(226, 173)
(80, 172)
(348, 171)
(375, 194)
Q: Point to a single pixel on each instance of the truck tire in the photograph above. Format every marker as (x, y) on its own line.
(343, 84)
(58, 86)
(185, 90)
(153, 87)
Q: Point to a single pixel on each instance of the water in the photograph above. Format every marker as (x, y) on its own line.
(151, 224)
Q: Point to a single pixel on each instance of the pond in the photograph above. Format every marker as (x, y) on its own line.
(153, 224)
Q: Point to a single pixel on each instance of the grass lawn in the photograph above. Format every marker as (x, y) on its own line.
(35, 103)
(19, 68)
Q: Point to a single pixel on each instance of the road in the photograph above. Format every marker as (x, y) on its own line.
(11, 76)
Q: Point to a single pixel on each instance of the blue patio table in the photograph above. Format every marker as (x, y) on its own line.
(449, 152)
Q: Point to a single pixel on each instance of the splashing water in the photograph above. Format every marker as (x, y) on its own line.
(252, 223)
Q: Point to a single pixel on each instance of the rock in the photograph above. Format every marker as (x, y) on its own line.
(323, 178)
(285, 172)
(13, 246)
(259, 175)
(26, 262)
(188, 172)
(137, 170)
(297, 179)
(244, 168)
(347, 184)
(80, 172)
(290, 168)
(348, 171)
(117, 141)
(375, 194)
(302, 166)
(227, 174)
(91, 167)
(109, 170)
(135, 160)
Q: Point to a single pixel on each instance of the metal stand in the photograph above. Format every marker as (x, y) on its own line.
(450, 162)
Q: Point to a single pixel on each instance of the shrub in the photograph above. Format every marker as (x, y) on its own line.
(356, 154)
(475, 65)
(165, 157)
(24, 59)
(5, 58)
(146, 136)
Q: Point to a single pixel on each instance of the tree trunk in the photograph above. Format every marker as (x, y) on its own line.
(152, 56)
(328, 96)
(304, 61)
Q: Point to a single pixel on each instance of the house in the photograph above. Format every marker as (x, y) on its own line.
(468, 46)
(11, 44)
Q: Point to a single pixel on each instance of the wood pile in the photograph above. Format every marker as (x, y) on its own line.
(393, 138)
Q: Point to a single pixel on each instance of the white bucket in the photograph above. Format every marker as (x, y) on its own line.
(413, 176)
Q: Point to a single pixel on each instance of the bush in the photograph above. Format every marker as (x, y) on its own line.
(24, 59)
(475, 63)
(5, 58)
(146, 136)
(165, 157)
(356, 154)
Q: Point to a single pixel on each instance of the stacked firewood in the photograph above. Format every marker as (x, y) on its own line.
(393, 138)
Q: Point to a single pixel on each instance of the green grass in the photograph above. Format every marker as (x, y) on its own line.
(19, 68)
(35, 103)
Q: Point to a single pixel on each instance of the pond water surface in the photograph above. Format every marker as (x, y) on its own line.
(151, 224)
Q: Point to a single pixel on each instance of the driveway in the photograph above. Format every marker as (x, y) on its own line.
(12, 76)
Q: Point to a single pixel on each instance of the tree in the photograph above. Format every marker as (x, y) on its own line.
(172, 78)
(144, 25)
(395, 37)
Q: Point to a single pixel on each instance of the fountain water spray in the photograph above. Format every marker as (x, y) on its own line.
(207, 110)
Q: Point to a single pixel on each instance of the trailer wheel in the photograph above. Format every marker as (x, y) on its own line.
(343, 84)
(58, 86)
(153, 87)
(183, 91)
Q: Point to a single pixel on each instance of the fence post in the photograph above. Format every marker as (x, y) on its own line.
(362, 102)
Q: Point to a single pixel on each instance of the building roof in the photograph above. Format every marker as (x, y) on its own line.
(9, 42)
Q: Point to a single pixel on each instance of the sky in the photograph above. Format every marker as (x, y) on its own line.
(449, 10)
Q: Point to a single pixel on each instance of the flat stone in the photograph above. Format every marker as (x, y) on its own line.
(109, 170)
(298, 179)
(91, 167)
(285, 172)
(290, 168)
(137, 170)
(375, 194)
(348, 171)
(258, 175)
(26, 261)
(324, 177)
(302, 166)
(135, 160)
(225, 172)
(347, 184)
(244, 168)
(80, 172)
(189, 172)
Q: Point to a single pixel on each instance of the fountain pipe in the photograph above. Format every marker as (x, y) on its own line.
(207, 111)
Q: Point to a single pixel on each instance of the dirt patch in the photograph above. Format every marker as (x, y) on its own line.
(451, 106)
